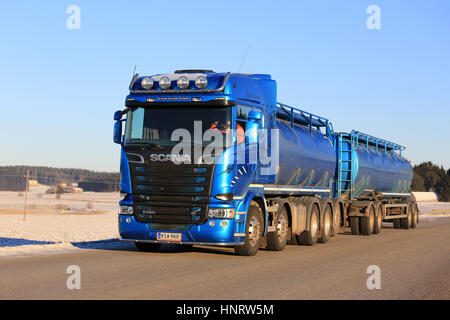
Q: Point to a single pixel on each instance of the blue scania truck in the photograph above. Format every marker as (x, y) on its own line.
(316, 183)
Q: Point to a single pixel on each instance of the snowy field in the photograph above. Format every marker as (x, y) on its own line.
(84, 217)
(40, 202)
(77, 217)
(434, 209)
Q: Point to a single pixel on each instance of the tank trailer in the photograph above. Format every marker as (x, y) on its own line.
(213, 159)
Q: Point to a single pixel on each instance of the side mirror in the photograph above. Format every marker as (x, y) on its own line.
(117, 135)
(118, 115)
(255, 116)
(252, 129)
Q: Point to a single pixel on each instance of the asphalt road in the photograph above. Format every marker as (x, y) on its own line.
(414, 264)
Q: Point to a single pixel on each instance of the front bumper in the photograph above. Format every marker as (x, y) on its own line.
(205, 234)
(222, 244)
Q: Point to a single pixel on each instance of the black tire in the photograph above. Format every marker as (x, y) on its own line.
(355, 225)
(337, 221)
(147, 247)
(326, 225)
(367, 223)
(276, 240)
(378, 220)
(309, 237)
(405, 223)
(396, 223)
(415, 214)
(253, 231)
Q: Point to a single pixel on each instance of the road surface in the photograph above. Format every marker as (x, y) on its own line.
(414, 264)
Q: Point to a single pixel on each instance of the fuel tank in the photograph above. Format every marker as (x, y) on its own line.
(370, 166)
(380, 171)
(307, 158)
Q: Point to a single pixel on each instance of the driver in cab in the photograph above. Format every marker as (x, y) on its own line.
(240, 133)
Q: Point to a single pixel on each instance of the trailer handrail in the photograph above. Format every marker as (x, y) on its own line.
(306, 118)
(363, 138)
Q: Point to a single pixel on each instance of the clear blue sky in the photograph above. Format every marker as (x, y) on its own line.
(60, 87)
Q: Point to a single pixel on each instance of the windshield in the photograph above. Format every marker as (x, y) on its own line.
(154, 127)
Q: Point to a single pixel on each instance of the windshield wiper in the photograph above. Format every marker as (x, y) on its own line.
(144, 145)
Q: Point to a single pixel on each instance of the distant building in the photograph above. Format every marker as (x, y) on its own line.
(32, 183)
(51, 190)
(426, 196)
(73, 190)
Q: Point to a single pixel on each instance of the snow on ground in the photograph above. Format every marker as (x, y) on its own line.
(434, 209)
(80, 217)
(38, 201)
(47, 229)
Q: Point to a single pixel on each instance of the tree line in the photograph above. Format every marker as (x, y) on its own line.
(430, 177)
(12, 178)
(427, 177)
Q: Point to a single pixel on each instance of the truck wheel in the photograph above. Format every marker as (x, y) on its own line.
(354, 225)
(396, 223)
(414, 216)
(253, 232)
(367, 223)
(276, 241)
(416, 209)
(309, 237)
(378, 220)
(325, 233)
(405, 223)
(337, 222)
(147, 247)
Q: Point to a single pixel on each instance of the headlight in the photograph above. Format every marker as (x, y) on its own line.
(128, 210)
(201, 82)
(147, 83)
(165, 83)
(221, 213)
(183, 82)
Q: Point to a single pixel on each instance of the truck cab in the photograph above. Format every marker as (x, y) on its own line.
(186, 142)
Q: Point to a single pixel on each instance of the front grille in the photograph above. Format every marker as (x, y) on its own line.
(166, 193)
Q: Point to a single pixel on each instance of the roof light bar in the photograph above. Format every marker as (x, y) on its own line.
(201, 82)
(183, 82)
(147, 83)
(165, 83)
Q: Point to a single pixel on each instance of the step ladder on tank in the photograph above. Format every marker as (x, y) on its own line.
(345, 172)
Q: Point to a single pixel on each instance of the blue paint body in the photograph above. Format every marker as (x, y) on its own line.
(381, 172)
(311, 159)
(306, 159)
(373, 167)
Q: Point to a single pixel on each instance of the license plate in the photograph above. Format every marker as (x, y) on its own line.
(168, 236)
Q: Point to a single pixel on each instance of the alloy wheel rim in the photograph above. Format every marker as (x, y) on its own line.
(253, 230)
(379, 219)
(371, 219)
(282, 227)
(314, 224)
(327, 224)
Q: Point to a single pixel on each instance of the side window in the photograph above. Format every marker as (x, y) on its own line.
(242, 120)
(242, 112)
